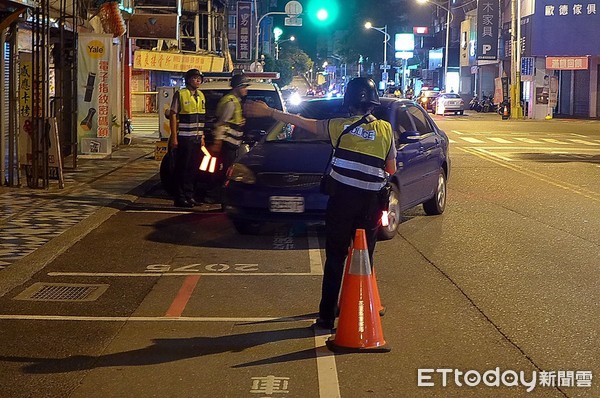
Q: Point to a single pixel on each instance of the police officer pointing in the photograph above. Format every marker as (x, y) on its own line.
(360, 165)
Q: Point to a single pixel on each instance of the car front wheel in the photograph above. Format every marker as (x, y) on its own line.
(437, 204)
(389, 231)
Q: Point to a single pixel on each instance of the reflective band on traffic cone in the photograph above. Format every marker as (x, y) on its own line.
(359, 326)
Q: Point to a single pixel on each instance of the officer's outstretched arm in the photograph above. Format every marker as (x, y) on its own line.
(260, 109)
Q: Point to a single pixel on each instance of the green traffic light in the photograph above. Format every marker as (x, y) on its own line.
(322, 15)
(322, 12)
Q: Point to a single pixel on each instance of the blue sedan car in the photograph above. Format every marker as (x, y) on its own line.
(278, 180)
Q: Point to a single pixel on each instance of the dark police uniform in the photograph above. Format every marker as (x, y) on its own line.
(358, 169)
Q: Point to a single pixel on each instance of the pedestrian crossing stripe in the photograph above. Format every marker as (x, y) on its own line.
(518, 140)
(500, 140)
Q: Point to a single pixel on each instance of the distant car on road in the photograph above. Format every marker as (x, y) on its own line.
(427, 98)
(449, 102)
(278, 180)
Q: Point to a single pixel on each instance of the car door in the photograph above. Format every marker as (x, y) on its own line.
(431, 150)
(410, 158)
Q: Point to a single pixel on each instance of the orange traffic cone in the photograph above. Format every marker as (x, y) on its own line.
(359, 326)
(505, 112)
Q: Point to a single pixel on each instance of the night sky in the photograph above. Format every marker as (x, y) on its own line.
(399, 15)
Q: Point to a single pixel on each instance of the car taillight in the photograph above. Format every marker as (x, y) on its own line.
(462, 102)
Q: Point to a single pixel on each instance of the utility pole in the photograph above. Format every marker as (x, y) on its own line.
(516, 112)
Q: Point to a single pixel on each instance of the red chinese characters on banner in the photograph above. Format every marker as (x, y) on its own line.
(567, 63)
(103, 99)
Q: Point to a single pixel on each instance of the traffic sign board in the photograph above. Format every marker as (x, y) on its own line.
(293, 21)
(382, 67)
(293, 8)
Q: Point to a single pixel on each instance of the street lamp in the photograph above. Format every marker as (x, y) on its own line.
(278, 42)
(449, 15)
(384, 74)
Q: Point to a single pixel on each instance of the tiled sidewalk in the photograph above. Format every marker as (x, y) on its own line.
(30, 218)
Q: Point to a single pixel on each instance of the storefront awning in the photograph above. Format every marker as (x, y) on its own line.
(176, 62)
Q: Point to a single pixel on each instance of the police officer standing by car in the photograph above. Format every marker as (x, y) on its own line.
(187, 117)
(229, 128)
(361, 163)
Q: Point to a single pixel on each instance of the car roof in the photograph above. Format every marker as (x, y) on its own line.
(327, 108)
(224, 85)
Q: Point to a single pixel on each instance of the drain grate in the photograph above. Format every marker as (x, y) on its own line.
(62, 292)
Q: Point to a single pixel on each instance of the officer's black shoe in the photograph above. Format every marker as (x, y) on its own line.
(322, 324)
(183, 203)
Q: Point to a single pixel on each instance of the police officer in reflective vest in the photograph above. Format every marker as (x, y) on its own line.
(360, 165)
(229, 128)
(187, 118)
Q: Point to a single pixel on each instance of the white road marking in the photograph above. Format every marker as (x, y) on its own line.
(553, 141)
(451, 141)
(77, 318)
(329, 386)
(493, 154)
(457, 132)
(527, 140)
(153, 274)
(584, 142)
(472, 140)
(159, 211)
(314, 253)
(500, 140)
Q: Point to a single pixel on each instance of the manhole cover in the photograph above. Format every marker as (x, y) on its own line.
(41, 291)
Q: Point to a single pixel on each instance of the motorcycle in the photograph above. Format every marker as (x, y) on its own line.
(474, 104)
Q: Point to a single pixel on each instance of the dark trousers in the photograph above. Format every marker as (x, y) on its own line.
(187, 161)
(348, 209)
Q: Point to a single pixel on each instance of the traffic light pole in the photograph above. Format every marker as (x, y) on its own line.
(258, 30)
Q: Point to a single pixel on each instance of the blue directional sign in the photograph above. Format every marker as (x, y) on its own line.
(527, 64)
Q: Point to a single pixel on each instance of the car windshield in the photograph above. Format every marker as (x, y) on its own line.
(430, 93)
(214, 95)
(318, 109)
(451, 96)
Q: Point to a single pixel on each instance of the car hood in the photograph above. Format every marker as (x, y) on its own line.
(285, 157)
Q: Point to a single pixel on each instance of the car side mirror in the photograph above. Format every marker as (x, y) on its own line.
(408, 137)
(253, 136)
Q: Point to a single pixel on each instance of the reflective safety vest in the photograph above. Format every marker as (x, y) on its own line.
(192, 114)
(234, 126)
(359, 161)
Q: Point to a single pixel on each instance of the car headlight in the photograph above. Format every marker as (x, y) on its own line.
(240, 173)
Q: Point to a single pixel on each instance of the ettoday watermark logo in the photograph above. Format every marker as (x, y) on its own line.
(508, 378)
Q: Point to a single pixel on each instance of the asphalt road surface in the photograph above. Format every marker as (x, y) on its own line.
(170, 303)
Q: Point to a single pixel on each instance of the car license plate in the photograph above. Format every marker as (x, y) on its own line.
(286, 204)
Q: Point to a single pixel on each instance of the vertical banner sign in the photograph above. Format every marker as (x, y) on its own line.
(93, 94)
(244, 31)
(25, 108)
(26, 126)
(488, 18)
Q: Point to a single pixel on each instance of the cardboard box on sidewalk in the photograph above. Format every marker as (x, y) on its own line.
(160, 150)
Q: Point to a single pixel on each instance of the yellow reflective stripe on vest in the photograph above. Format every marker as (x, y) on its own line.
(359, 160)
(365, 168)
(192, 113)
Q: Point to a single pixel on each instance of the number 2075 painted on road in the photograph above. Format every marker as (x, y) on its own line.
(218, 267)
